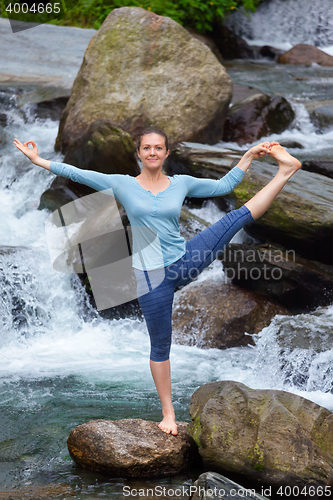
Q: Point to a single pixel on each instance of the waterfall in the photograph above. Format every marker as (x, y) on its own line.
(285, 23)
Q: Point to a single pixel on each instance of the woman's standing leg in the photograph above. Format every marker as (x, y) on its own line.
(161, 372)
(157, 310)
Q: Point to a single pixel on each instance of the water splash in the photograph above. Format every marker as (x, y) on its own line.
(285, 23)
(296, 352)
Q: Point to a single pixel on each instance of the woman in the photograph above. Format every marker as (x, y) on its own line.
(153, 201)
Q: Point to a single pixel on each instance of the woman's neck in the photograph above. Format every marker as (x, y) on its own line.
(151, 176)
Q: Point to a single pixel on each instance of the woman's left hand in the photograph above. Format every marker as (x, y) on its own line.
(261, 150)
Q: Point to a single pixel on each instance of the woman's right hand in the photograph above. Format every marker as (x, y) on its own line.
(31, 153)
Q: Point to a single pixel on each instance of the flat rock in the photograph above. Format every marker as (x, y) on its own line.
(268, 437)
(131, 448)
(46, 54)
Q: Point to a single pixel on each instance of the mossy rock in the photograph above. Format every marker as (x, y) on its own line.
(140, 70)
(266, 436)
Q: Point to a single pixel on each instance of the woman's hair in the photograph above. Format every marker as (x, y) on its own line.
(152, 130)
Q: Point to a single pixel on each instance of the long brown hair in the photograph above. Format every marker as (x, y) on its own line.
(152, 130)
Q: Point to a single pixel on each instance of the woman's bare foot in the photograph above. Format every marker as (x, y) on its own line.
(288, 165)
(168, 423)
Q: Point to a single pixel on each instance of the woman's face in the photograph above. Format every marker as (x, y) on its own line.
(152, 151)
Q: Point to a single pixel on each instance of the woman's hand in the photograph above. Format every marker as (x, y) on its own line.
(261, 150)
(258, 151)
(32, 153)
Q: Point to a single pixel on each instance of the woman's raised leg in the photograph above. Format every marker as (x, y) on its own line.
(288, 166)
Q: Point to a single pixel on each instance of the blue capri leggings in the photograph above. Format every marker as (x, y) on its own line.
(201, 251)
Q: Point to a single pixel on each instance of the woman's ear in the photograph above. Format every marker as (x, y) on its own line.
(167, 153)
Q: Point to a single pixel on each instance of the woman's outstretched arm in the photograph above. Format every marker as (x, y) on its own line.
(203, 188)
(95, 180)
(32, 153)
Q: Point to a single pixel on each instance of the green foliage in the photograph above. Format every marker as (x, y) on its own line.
(197, 14)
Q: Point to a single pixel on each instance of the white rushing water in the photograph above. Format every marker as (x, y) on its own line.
(45, 330)
(285, 23)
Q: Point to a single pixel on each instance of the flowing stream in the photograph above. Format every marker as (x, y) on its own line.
(61, 364)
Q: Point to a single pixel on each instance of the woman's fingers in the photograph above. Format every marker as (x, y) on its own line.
(24, 148)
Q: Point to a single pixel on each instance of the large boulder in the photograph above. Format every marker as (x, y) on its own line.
(306, 54)
(281, 274)
(257, 116)
(266, 436)
(141, 69)
(301, 217)
(213, 314)
(131, 448)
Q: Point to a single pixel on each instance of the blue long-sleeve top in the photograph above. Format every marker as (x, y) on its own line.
(154, 219)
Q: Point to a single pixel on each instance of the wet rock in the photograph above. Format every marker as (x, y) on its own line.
(3, 119)
(257, 116)
(241, 92)
(33, 492)
(301, 217)
(268, 437)
(131, 448)
(281, 274)
(230, 45)
(141, 69)
(270, 52)
(306, 54)
(322, 118)
(215, 486)
(291, 144)
(322, 167)
(51, 109)
(214, 314)
(103, 147)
